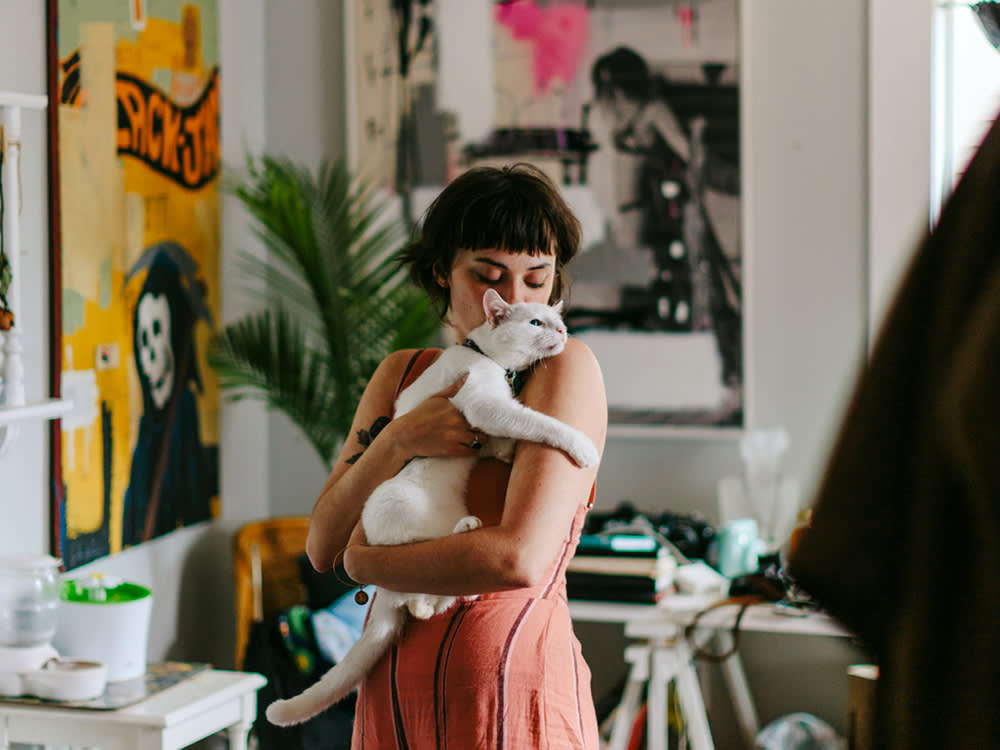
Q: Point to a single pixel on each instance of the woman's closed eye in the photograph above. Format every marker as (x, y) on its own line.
(530, 283)
(488, 279)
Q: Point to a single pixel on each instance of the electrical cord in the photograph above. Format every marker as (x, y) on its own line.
(699, 652)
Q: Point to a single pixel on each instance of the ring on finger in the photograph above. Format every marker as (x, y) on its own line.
(476, 443)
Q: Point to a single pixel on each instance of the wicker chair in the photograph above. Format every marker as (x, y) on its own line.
(266, 571)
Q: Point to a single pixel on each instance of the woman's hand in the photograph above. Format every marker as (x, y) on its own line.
(437, 428)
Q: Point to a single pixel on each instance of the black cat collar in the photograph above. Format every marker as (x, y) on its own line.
(514, 378)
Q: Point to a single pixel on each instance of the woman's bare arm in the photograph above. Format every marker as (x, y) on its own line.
(338, 507)
(543, 494)
(434, 428)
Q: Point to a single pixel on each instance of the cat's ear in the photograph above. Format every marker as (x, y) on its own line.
(495, 307)
(557, 307)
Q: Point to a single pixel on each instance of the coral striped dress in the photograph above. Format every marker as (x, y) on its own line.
(501, 671)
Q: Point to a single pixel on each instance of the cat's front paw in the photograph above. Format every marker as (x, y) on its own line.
(583, 452)
(421, 608)
(469, 523)
(502, 449)
(444, 603)
(425, 606)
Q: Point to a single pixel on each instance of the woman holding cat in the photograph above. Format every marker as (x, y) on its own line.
(503, 670)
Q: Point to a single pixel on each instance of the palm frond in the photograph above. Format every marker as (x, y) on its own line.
(335, 304)
(266, 356)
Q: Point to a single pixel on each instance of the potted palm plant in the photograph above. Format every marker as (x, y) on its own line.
(335, 302)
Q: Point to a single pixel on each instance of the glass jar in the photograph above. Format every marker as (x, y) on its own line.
(29, 597)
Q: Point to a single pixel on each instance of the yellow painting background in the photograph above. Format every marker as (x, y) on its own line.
(113, 207)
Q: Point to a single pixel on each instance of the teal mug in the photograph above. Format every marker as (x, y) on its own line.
(738, 548)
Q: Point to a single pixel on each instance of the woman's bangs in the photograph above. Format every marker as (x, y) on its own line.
(511, 223)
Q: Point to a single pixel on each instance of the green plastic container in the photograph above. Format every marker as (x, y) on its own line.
(105, 619)
(81, 592)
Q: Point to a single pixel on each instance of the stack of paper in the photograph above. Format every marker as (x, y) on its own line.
(620, 568)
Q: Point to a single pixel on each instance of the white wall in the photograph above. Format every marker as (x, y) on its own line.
(23, 472)
(305, 122)
(808, 161)
(899, 142)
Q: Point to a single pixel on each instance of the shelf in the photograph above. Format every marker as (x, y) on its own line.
(27, 101)
(52, 408)
(682, 432)
(11, 104)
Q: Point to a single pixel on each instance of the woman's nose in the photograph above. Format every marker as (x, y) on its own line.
(512, 293)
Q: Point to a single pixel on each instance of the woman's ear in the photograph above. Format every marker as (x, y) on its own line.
(440, 278)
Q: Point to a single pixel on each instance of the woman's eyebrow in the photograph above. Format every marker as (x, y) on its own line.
(496, 264)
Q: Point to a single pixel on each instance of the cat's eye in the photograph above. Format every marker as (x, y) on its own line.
(535, 322)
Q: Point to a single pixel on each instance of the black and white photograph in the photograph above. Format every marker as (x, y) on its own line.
(633, 108)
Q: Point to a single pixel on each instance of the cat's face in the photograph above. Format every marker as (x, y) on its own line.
(517, 277)
(522, 333)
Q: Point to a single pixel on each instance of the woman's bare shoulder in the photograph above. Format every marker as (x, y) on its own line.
(574, 372)
(580, 354)
(394, 367)
(569, 387)
(576, 361)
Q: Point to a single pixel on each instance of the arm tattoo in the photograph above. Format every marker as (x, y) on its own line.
(365, 437)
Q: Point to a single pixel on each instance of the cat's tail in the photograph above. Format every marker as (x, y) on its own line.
(384, 623)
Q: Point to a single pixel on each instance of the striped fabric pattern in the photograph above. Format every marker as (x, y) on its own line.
(503, 672)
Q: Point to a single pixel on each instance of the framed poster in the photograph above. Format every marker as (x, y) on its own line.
(633, 108)
(134, 103)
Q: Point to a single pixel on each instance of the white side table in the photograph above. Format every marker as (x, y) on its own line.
(184, 713)
(661, 654)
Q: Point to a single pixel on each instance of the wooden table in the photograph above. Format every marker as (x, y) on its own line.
(196, 708)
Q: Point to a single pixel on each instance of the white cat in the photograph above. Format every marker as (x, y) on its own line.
(426, 499)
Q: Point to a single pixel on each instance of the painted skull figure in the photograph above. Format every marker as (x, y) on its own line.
(156, 353)
(173, 474)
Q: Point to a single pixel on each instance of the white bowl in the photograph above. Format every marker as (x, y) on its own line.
(67, 679)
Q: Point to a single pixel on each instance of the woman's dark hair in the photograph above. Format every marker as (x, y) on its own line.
(514, 208)
(625, 70)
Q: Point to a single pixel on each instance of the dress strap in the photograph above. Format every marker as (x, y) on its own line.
(420, 361)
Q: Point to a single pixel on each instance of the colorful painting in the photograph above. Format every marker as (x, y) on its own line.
(135, 90)
(632, 107)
